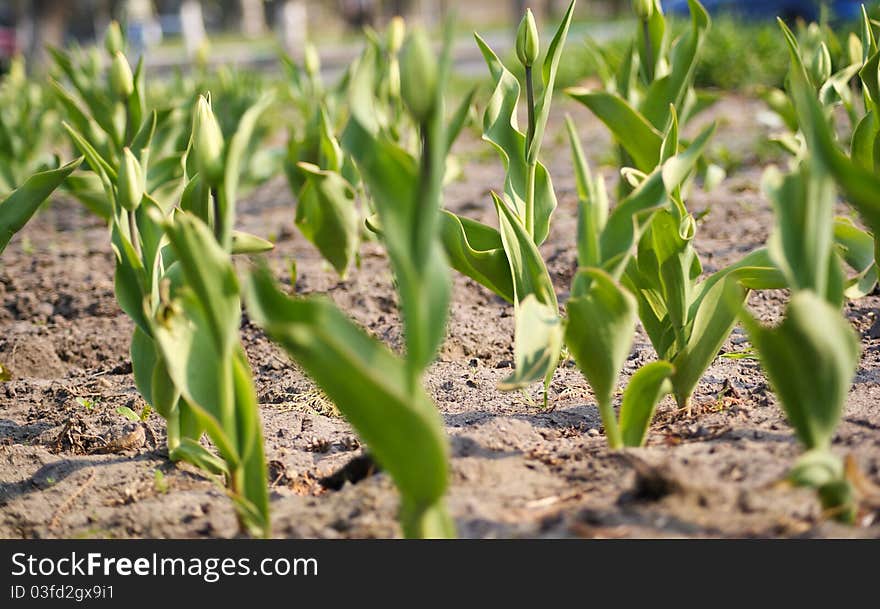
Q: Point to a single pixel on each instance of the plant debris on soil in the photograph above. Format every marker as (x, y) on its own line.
(71, 466)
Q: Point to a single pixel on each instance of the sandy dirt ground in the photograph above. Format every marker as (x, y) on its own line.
(71, 466)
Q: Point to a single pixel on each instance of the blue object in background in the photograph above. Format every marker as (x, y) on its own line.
(770, 9)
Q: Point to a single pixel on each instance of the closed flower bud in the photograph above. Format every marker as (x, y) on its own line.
(644, 9)
(418, 76)
(312, 60)
(527, 43)
(113, 39)
(130, 181)
(820, 67)
(121, 80)
(855, 49)
(207, 142)
(396, 34)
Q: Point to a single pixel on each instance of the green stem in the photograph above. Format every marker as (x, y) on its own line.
(431, 522)
(530, 199)
(649, 51)
(425, 186)
(226, 401)
(218, 219)
(532, 164)
(609, 420)
(684, 402)
(530, 98)
(173, 433)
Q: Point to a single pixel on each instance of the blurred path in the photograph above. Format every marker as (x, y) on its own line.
(263, 55)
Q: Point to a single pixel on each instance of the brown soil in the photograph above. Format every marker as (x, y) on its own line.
(71, 466)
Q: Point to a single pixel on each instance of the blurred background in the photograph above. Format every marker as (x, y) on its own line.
(250, 33)
(30, 25)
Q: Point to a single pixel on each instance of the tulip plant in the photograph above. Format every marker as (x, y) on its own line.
(323, 179)
(812, 357)
(656, 77)
(855, 167)
(186, 357)
(333, 204)
(380, 393)
(506, 260)
(686, 317)
(638, 263)
(108, 108)
(602, 313)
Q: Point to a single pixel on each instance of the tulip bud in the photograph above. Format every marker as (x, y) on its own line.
(855, 49)
(527, 41)
(813, 36)
(396, 34)
(644, 9)
(820, 67)
(113, 39)
(131, 182)
(121, 80)
(311, 60)
(207, 142)
(418, 76)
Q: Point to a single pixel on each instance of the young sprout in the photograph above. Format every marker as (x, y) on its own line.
(603, 307)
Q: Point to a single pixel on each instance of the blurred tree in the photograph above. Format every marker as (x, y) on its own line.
(49, 18)
(253, 18)
(358, 13)
(399, 7)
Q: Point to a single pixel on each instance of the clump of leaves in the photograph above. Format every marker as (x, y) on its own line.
(196, 334)
(610, 292)
(639, 263)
